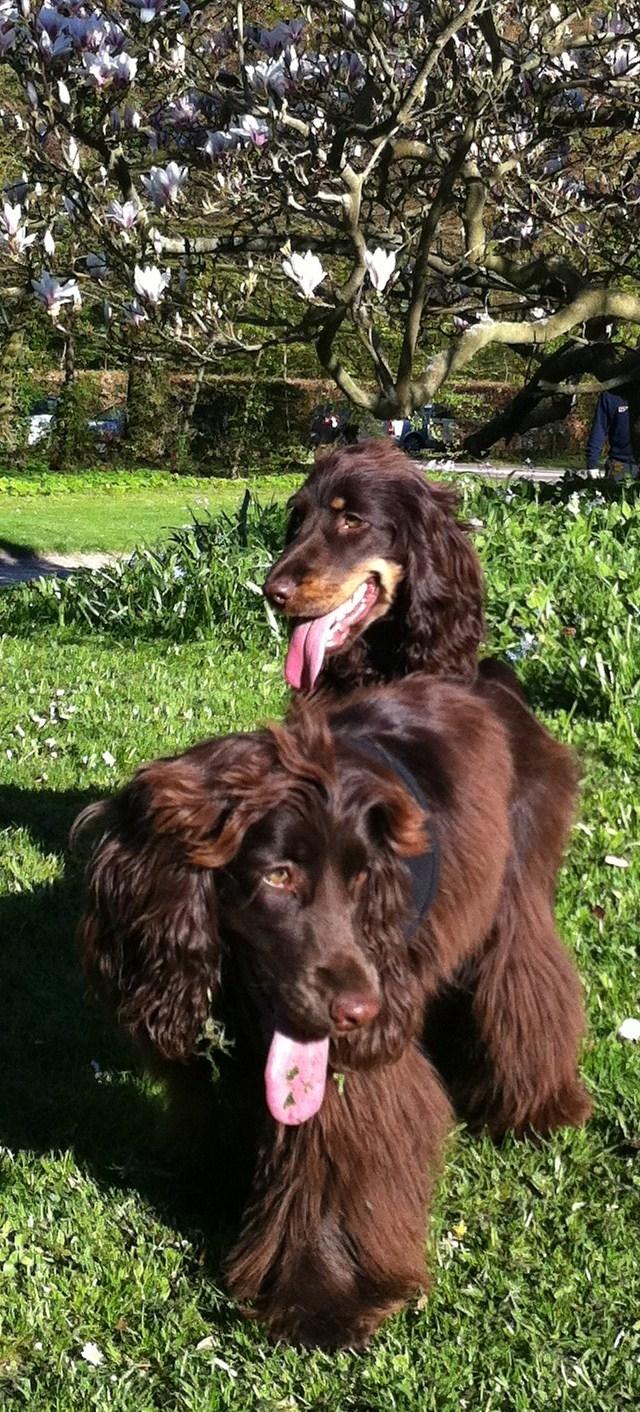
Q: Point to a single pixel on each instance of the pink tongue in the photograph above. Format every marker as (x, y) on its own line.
(306, 652)
(295, 1078)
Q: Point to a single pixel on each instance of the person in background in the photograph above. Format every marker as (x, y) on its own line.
(611, 424)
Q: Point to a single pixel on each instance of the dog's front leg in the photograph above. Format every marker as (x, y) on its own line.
(334, 1240)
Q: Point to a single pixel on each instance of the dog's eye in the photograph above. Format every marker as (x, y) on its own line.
(278, 877)
(352, 521)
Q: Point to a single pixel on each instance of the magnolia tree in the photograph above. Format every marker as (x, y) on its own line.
(400, 185)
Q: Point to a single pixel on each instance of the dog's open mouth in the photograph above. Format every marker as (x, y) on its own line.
(314, 638)
(295, 1077)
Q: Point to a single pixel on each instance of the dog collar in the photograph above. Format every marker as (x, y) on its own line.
(423, 868)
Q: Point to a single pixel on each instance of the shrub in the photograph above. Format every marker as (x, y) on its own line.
(204, 577)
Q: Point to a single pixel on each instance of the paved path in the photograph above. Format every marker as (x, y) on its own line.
(16, 569)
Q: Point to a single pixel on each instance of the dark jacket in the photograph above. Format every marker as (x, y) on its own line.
(611, 424)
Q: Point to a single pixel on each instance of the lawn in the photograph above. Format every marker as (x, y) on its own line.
(534, 1248)
(112, 512)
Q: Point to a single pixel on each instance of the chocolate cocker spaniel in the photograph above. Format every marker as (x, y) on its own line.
(297, 902)
(378, 576)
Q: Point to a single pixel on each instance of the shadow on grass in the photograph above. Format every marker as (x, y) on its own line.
(15, 550)
(68, 1082)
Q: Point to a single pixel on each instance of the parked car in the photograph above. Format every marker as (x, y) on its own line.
(108, 426)
(104, 428)
(40, 419)
(432, 428)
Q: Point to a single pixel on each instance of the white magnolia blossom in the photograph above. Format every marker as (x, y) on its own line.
(626, 60)
(150, 283)
(10, 218)
(104, 67)
(49, 242)
(306, 270)
(380, 267)
(249, 129)
(273, 78)
(165, 184)
(52, 294)
(124, 214)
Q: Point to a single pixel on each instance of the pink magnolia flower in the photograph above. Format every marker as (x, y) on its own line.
(165, 184)
(124, 214)
(250, 129)
(306, 270)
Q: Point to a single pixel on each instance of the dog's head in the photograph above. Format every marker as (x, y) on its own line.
(274, 859)
(369, 537)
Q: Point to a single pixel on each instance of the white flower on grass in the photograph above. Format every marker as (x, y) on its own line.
(306, 270)
(52, 294)
(380, 266)
(124, 214)
(150, 282)
(630, 1029)
(109, 759)
(165, 184)
(92, 1354)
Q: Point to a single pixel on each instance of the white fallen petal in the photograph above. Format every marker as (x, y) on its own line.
(92, 1354)
(630, 1029)
(614, 862)
(108, 758)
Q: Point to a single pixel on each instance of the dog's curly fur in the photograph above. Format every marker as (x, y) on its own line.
(182, 922)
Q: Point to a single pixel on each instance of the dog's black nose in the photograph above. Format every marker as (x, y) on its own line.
(351, 1010)
(279, 591)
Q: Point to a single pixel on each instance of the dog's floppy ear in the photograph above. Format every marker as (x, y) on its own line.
(443, 587)
(149, 936)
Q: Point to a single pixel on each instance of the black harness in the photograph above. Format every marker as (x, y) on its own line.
(424, 868)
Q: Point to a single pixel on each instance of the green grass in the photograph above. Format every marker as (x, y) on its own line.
(114, 512)
(534, 1248)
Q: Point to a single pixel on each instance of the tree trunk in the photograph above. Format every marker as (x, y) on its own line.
(62, 443)
(538, 403)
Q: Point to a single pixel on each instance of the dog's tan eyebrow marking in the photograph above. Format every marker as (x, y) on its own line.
(338, 502)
